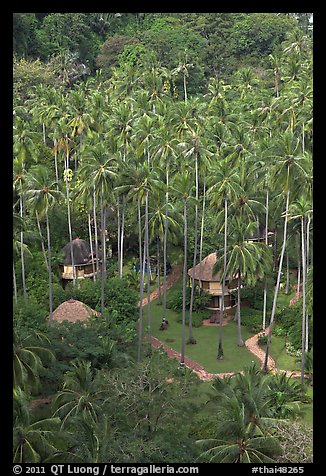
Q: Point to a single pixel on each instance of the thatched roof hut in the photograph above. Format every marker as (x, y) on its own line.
(81, 252)
(72, 311)
(205, 269)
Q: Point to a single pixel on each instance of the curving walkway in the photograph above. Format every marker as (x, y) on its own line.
(251, 343)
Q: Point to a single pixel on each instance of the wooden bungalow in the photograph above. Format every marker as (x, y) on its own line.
(84, 262)
(212, 284)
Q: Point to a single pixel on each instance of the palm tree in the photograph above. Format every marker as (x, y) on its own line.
(182, 186)
(301, 209)
(225, 186)
(32, 441)
(42, 193)
(19, 180)
(166, 152)
(195, 147)
(183, 67)
(289, 166)
(29, 357)
(79, 395)
(247, 261)
(99, 170)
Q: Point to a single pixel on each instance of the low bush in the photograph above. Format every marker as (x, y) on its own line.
(251, 318)
(200, 300)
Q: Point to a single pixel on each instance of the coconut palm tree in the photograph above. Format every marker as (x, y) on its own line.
(33, 442)
(290, 165)
(19, 181)
(42, 193)
(195, 147)
(80, 394)
(301, 209)
(165, 152)
(245, 260)
(224, 185)
(183, 68)
(182, 186)
(99, 169)
(29, 357)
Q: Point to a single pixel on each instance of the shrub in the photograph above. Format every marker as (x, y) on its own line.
(199, 302)
(251, 318)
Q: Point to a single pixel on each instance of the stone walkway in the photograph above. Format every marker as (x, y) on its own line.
(251, 343)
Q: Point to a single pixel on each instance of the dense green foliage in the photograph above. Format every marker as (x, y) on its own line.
(161, 136)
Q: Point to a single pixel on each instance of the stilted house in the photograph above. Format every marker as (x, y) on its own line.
(260, 235)
(211, 282)
(84, 262)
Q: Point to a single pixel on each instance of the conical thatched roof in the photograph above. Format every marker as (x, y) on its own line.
(73, 311)
(81, 252)
(206, 269)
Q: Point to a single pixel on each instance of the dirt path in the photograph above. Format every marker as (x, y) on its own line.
(171, 279)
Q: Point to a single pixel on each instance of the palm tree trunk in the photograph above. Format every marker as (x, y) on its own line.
(55, 143)
(164, 321)
(220, 354)
(202, 236)
(265, 283)
(185, 87)
(69, 223)
(142, 277)
(182, 356)
(43, 130)
(22, 251)
(104, 239)
(15, 284)
(303, 341)
(191, 339)
(299, 268)
(96, 234)
(287, 286)
(91, 243)
(49, 266)
(307, 266)
(148, 278)
(122, 235)
(141, 265)
(240, 341)
(159, 270)
(277, 283)
(103, 256)
(42, 242)
(119, 234)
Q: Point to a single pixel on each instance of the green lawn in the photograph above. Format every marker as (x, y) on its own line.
(204, 352)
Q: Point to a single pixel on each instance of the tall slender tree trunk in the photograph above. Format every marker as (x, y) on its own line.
(119, 234)
(307, 266)
(185, 87)
(49, 266)
(55, 144)
(95, 233)
(103, 267)
(202, 236)
(159, 270)
(43, 130)
(220, 353)
(303, 340)
(69, 222)
(164, 321)
(141, 291)
(287, 286)
(22, 250)
(191, 339)
(15, 283)
(265, 282)
(299, 268)
(277, 283)
(182, 356)
(42, 241)
(122, 235)
(240, 341)
(148, 278)
(91, 243)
